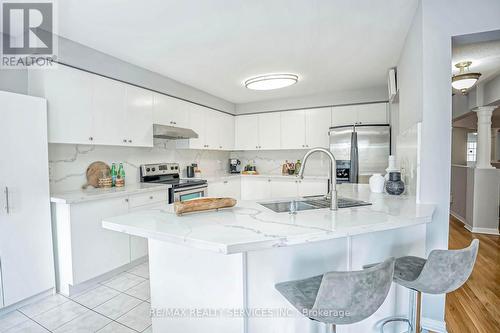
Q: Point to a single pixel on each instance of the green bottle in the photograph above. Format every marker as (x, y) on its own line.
(121, 172)
(113, 174)
(297, 166)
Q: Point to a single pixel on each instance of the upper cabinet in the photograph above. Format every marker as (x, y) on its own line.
(85, 108)
(258, 131)
(305, 128)
(362, 114)
(170, 111)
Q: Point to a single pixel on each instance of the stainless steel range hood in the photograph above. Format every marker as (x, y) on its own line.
(173, 133)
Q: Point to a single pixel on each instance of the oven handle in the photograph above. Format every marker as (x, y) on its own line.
(190, 189)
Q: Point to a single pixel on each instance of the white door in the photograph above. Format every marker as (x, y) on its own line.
(226, 131)
(270, 130)
(212, 129)
(197, 124)
(139, 117)
(312, 187)
(257, 188)
(108, 110)
(26, 259)
(171, 111)
(344, 115)
(247, 132)
(109, 250)
(317, 127)
(283, 188)
(69, 95)
(293, 130)
(373, 113)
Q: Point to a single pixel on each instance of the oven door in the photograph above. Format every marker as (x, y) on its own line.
(188, 193)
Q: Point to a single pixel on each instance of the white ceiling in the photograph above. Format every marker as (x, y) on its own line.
(215, 45)
(485, 57)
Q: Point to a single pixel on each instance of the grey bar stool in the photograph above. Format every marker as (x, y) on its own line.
(443, 272)
(340, 298)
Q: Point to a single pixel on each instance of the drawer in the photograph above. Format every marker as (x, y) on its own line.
(138, 200)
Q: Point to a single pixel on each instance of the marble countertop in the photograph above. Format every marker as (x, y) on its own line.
(72, 197)
(279, 176)
(249, 226)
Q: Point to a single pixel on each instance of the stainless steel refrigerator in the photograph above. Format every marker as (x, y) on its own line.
(361, 149)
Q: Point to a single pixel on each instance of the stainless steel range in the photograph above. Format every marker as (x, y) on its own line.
(168, 173)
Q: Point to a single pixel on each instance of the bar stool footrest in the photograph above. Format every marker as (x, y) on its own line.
(396, 319)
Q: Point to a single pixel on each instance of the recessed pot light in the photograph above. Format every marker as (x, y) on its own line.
(271, 81)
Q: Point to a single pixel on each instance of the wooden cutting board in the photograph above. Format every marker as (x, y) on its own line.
(95, 171)
(202, 204)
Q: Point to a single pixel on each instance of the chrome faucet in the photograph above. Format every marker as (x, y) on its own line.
(332, 180)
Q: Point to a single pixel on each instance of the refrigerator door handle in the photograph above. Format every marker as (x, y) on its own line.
(354, 172)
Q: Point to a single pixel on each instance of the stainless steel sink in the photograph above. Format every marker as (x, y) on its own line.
(308, 203)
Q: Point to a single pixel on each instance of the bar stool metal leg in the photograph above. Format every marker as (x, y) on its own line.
(329, 328)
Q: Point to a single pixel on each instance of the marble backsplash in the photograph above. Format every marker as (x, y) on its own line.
(68, 163)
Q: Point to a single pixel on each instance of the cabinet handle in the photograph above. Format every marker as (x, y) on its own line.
(130, 141)
(269, 180)
(175, 123)
(91, 138)
(171, 123)
(7, 206)
(151, 198)
(125, 140)
(225, 182)
(126, 200)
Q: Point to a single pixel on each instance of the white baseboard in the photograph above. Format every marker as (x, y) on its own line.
(27, 301)
(433, 325)
(458, 217)
(489, 231)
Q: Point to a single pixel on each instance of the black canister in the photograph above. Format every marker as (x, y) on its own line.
(190, 171)
(395, 186)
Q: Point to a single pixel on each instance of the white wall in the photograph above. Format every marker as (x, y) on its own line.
(376, 94)
(491, 91)
(460, 105)
(428, 97)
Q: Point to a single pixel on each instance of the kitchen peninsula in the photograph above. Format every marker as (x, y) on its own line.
(215, 271)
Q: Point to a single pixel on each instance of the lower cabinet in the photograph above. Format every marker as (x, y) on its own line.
(84, 250)
(280, 187)
(229, 187)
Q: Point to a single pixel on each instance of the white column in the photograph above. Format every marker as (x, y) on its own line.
(483, 160)
(494, 144)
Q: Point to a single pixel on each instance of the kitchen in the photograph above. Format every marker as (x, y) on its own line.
(128, 141)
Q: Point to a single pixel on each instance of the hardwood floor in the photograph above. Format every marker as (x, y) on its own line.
(476, 306)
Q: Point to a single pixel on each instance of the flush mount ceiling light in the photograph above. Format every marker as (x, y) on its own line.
(464, 80)
(271, 81)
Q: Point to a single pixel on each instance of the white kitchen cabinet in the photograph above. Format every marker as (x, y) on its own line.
(293, 129)
(284, 187)
(363, 114)
(247, 132)
(270, 130)
(26, 257)
(212, 122)
(108, 111)
(170, 111)
(228, 187)
(84, 249)
(258, 131)
(308, 187)
(256, 188)
(139, 117)
(95, 251)
(197, 124)
(226, 131)
(69, 95)
(317, 126)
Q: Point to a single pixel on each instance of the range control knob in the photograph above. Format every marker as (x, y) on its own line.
(148, 169)
(153, 169)
(171, 168)
(176, 167)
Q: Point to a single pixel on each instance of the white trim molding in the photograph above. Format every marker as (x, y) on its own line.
(433, 325)
(488, 231)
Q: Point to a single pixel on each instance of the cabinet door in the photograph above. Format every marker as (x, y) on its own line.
(226, 132)
(233, 187)
(139, 245)
(197, 124)
(257, 188)
(212, 129)
(69, 96)
(215, 189)
(293, 130)
(283, 188)
(317, 127)
(247, 132)
(108, 111)
(170, 111)
(344, 115)
(270, 130)
(312, 187)
(26, 253)
(139, 104)
(372, 113)
(109, 249)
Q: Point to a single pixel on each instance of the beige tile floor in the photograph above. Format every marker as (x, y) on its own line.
(120, 304)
